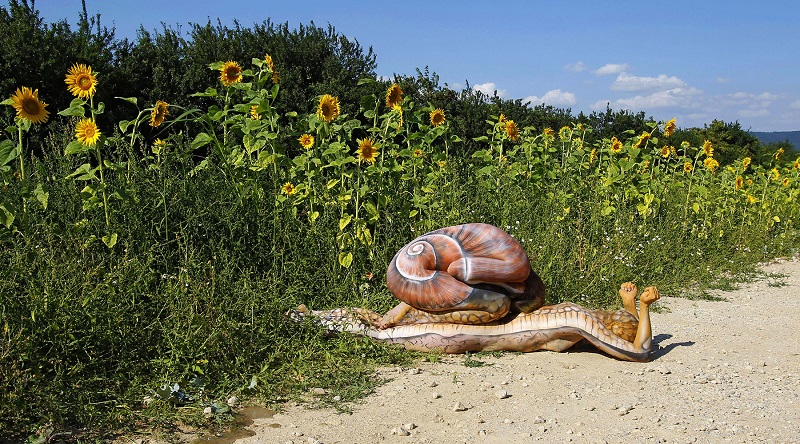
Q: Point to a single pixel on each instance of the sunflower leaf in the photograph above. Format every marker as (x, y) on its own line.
(132, 100)
(7, 101)
(8, 152)
(73, 111)
(74, 147)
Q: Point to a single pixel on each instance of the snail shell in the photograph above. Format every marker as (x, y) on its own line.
(439, 270)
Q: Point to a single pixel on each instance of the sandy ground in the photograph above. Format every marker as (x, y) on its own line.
(721, 372)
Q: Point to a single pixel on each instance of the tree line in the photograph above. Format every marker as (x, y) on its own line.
(170, 64)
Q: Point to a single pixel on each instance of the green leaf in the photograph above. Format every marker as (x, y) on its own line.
(8, 152)
(367, 81)
(7, 215)
(83, 172)
(110, 240)
(216, 66)
(76, 147)
(132, 100)
(344, 221)
(9, 101)
(101, 108)
(345, 259)
(73, 111)
(210, 92)
(332, 183)
(607, 210)
(123, 125)
(201, 140)
(41, 195)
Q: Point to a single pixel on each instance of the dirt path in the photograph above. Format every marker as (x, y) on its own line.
(721, 372)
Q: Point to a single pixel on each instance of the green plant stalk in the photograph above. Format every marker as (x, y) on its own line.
(100, 166)
(21, 155)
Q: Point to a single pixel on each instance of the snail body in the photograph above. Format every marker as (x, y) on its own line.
(465, 274)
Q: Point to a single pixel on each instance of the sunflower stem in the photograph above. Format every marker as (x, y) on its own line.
(21, 155)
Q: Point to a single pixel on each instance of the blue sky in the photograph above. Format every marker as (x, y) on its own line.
(692, 60)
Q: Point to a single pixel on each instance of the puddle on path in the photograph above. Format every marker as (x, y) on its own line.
(241, 420)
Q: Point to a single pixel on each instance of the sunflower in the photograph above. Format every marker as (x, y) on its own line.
(642, 139)
(687, 167)
(778, 154)
(437, 117)
(367, 151)
(442, 163)
(749, 182)
(230, 73)
(417, 152)
(275, 77)
(549, 132)
(786, 181)
(616, 145)
(502, 118)
(593, 155)
(511, 130)
(751, 199)
(666, 150)
(394, 96)
(746, 163)
(159, 146)
(86, 132)
(399, 110)
(80, 81)
(28, 105)
(563, 133)
(306, 141)
(708, 149)
(739, 182)
(288, 189)
(254, 115)
(160, 112)
(796, 164)
(669, 128)
(775, 174)
(328, 109)
(711, 163)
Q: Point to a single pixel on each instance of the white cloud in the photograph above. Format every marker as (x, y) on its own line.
(611, 68)
(675, 97)
(627, 82)
(723, 80)
(552, 97)
(760, 112)
(576, 67)
(489, 88)
(795, 105)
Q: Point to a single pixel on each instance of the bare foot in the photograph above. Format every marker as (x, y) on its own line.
(628, 292)
(649, 295)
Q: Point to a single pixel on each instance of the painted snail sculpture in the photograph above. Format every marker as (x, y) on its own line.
(471, 288)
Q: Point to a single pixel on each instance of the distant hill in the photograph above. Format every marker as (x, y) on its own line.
(779, 136)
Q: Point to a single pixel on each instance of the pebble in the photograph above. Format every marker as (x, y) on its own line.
(233, 400)
(313, 441)
(435, 395)
(508, 421)
(410, 426)
(413, 371)
(401, 431)
(318, 391)
(538, 420)
(337, 398)
(459, 407)
(433, 384)
(501, 394)
(208, 411)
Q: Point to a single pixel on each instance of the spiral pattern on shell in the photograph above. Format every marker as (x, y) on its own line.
(440, 269)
